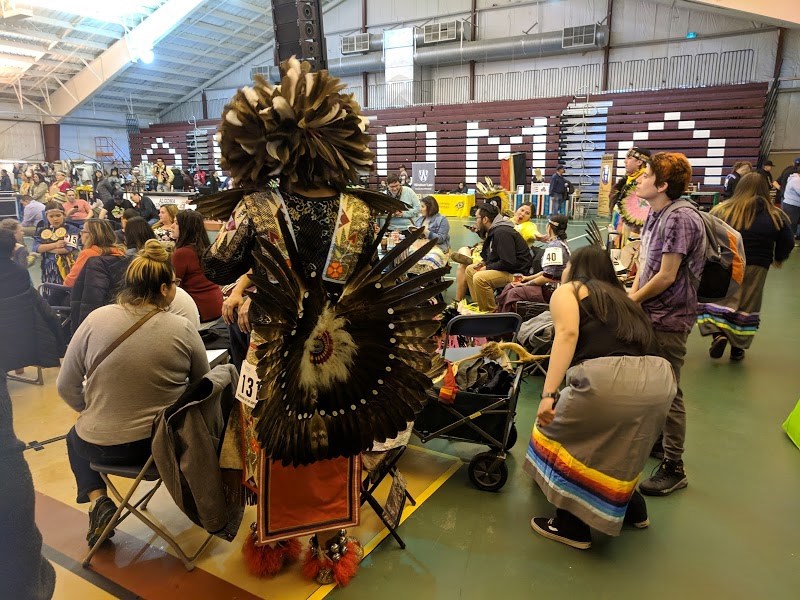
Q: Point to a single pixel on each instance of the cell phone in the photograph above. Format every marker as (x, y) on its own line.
(471, 228)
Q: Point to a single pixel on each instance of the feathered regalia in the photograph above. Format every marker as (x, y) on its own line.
(494, 193)
(341, 339)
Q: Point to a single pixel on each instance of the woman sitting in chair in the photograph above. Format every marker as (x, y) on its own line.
(192, 242)
(540, 286)
(591, 440)
(98, 239)
(116, 403)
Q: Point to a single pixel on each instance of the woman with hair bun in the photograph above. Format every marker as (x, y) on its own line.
(540, 286)
(116, 404)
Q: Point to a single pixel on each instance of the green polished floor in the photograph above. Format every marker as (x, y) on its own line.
(733, 533)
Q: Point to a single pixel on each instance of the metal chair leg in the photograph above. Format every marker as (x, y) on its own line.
(124, 503)
(134, 509)
(39, 380)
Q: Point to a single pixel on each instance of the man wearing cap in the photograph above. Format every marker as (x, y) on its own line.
(765, 171)
(558, 190)
(624, 196)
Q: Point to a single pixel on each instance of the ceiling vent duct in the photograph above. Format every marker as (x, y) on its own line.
(582, 36)
(515, 48)
(355, 44)
(436, 33)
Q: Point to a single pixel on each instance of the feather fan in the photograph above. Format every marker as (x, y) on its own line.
(337, 376)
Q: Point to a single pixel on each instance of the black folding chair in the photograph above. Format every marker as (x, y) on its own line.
(139, 473)
(540, 341)
(386, 466)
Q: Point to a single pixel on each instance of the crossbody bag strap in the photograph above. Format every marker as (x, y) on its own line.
(121, 339)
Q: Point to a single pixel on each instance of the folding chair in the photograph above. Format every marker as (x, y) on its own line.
(386, 466)
(138, 473)
(63, 309)
(536, 342)
(490, 325)
(38, 380)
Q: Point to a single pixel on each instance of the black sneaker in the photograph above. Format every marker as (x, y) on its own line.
(718, 346)
(737, 354)
(99, 517)
(547, 528)
(636, 514)
(666, 478)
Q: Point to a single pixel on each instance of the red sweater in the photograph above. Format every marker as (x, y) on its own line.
(206, 295)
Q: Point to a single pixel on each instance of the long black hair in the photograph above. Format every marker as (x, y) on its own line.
(608, 301)
(192, 231)
(137, 232)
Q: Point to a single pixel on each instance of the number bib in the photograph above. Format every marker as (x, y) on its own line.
(553, 257)
(247, 389)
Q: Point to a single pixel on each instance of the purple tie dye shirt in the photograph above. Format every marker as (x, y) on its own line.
(674, 309)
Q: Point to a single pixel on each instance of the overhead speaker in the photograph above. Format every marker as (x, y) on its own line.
(298, 31)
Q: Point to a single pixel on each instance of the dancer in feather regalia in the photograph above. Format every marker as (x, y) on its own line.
(341, 341)
(628, 211)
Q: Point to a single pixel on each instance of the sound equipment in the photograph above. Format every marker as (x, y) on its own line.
(297, 25)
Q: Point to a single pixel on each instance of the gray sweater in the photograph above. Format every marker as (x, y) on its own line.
(147, 372)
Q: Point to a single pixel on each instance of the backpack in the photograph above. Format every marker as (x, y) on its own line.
(723, 270)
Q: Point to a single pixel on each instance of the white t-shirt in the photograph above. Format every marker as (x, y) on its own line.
(184, 306)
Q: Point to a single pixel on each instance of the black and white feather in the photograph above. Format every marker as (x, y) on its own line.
(338, 375)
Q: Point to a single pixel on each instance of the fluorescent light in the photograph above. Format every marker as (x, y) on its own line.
(147, 56)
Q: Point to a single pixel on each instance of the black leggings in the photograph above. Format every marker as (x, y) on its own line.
(82, 453)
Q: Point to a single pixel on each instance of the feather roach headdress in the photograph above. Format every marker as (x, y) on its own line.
(302, 129)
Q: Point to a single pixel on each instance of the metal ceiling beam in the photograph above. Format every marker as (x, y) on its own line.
(92, 78)
(94, 31)
(226, 16)
(259, 10)
(43, 36)
(211, 65)
(126, 92)
(172, 46)
(149, 75)
(227, 32)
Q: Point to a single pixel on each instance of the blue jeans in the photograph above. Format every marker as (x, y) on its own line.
(559, 203)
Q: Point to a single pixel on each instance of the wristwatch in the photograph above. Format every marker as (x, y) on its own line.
(552, 395)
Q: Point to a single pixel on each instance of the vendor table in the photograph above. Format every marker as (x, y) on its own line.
(455, 205)
(541, 204)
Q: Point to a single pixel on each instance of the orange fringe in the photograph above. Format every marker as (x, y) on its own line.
(268, 561)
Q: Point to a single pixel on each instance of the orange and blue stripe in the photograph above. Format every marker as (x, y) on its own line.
(603, 495)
